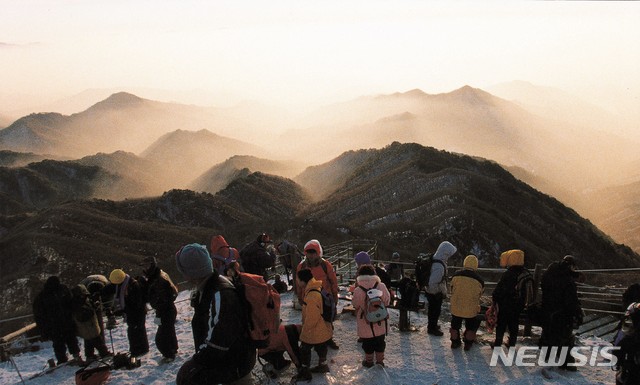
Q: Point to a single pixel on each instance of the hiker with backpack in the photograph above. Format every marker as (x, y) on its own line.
(370, 300)
(316, 330)
(83, 312)
(560, 307)
(436, 286)
(513, 293)
(162, 293)
(130, 299)
(466, 289)
(322, 271)
(222, 255)
(258, 256)
(224, 354)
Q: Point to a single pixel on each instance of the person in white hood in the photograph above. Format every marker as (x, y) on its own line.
(437, 286)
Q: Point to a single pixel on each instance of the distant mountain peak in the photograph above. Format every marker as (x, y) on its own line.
(119, 100)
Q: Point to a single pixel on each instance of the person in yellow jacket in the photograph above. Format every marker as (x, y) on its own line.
(466, 288)
(316, 332)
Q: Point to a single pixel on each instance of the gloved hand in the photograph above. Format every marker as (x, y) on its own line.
(157, 321)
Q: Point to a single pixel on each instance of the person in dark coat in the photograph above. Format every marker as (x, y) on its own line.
(129, 298)
(86, 321)
(560, 307)
(256, 257)
(512, 294)
(224, 353)
(52, 312)
(161, 294)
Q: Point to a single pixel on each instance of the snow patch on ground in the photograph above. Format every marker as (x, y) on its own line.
(411, 358)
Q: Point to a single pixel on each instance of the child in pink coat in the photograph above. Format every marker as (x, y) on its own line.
(371, 333)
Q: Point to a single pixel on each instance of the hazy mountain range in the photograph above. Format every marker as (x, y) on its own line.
(334, 175)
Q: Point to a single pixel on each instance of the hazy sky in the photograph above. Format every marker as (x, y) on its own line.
(315, 51)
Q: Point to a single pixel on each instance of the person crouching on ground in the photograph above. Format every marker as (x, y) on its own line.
(372, 333)
(316, 332)
(466, 290)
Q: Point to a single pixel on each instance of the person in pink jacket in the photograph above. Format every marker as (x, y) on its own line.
(373, 334)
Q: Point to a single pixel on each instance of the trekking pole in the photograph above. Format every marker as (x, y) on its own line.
(111, 337)
(17, 370)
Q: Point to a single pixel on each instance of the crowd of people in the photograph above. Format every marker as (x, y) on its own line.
(225, 352)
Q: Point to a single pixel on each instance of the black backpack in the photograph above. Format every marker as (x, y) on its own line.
(328, 305)
(423, 266)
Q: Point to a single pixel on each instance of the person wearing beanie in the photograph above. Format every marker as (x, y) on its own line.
(395, 269)
(52, 313)
(372, 334)
(512, 294)
(466, 289)
(316, 332)
(162, 292)
(129, 298)
(561, 309)
(436, 286)
(258, 256)
(224, 353)
(363, 258)
(322, 271)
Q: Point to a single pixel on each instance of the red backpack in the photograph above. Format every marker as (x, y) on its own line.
(262, 302)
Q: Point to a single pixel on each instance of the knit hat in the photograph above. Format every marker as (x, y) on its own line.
(513, 257)
(314, 244)
(117, 276)
(193, 261)
(362, 258)
(305, 275)
(471, 262)
(395, 255)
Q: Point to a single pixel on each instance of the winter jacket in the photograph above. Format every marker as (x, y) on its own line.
(52, 309)
(438, 278)
(221, 253)
(162, 293)
(84, 314)
(365, 328)
(326, 275)
(466, 289)
(256, 259)
(507, 294)
(315, 329)
(130, 298)
(220, 332)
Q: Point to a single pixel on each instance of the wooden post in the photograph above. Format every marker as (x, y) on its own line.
(537, 272)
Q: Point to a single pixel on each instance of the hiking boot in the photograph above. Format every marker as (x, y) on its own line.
(455, 344)
(367, 364)
(435, 332)
(468, 344)
(304, 374)
(381, 363)
(321, 368)
(332, 344)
